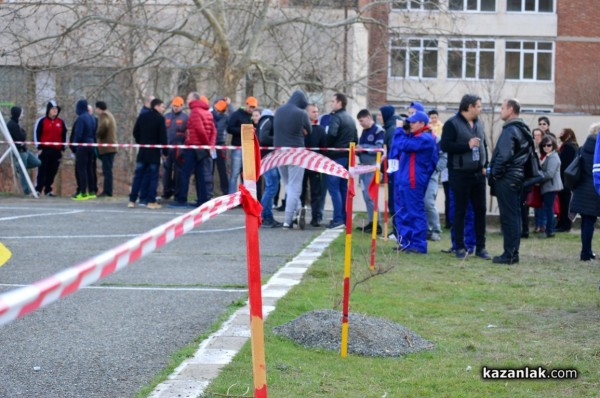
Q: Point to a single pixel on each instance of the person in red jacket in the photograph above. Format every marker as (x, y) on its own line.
(49, 128)
(200, 131)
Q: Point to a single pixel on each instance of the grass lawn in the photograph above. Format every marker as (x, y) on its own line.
(543, 311)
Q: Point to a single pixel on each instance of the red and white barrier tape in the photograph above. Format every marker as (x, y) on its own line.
(304, 158)
(231, 147)
(19, 302)
(363, 169)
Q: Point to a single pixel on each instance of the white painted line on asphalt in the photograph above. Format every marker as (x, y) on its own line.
(208, 231)
(40, 215)
(207, 354)
(149, 288)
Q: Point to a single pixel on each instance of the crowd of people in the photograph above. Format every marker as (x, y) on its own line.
(422, 151)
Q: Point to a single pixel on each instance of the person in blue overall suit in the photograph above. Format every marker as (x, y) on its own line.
(413, 158)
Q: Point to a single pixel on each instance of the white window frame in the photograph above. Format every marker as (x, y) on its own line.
(537, 7)
(464, 50)
(421, 7)
(464, 8)
(535, 51)
(407, 49)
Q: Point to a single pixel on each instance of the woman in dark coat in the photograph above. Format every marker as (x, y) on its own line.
(566, 152)
(585, 200)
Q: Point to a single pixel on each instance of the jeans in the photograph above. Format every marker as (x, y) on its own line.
(292, 178)
(365, 181)
(108, 160)
(221, 164)
(587, 233)
(508, 194)
(271, 178)
(50, 161)
(539, 217)
(338, 189)
(548, 206)
(171, 176)
(433, 217)
(468, 186)
(203, 171)
(236, 169)
(30, 161)
(146, 177)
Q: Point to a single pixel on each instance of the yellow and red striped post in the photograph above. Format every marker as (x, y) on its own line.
(375, 214)
(251, 168)
(348, 253)
(385, 196)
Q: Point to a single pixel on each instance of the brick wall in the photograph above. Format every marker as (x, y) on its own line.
(577, 53)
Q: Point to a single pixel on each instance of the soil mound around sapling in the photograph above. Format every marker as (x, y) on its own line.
(367, 335)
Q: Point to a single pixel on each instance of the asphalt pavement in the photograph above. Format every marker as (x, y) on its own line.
(112, 338)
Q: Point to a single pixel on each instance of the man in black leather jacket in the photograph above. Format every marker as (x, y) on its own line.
(508, 175)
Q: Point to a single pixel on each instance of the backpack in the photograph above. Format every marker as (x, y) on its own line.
(532, 167)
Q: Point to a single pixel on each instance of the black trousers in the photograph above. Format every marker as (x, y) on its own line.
(50, 159)
(84, 161)
(508, 194)
(312, 183)
(564, 198)
(467, 186)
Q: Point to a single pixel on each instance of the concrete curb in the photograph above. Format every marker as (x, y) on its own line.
(191, 378)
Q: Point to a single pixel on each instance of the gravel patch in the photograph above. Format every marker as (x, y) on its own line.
(367, 335)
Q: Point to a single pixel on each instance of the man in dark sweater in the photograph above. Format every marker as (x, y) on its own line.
(150, 129)
(17, 133)
(234, 127)
(340, 133)
(84, 132)
(463, 138)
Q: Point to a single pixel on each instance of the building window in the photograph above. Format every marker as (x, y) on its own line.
(413, 58)
(416, 5)
(530, 5)
(471, 59)
(473, 5)
(529, 60)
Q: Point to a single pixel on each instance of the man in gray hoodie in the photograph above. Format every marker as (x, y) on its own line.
(290, 125)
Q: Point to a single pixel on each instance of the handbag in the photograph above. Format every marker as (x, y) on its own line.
(572, 174)
(534, 197)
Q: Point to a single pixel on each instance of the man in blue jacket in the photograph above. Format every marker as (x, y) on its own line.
(415, 153)
(84, 132)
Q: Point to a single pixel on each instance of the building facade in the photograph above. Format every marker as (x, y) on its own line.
(543, 52)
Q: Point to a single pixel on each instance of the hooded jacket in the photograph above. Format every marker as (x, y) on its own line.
(265, 130)
(200, 125)
(234, 125)
(84, 129)
(586, 200)
(47, 129)
(16, 131)
(291, 122)
(389, 123)
(512, 151)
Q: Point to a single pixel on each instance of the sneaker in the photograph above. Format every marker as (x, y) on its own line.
(335, 225)
(505, 260)
(154, 206)
(142, 204)
(91, 196)
(131, 205)
(79, 196)
(435, 237)
(287, 226)
(104, 195)
(315, 223)
(50, 194)
(368, 228)
(177, 205)
(460, 253)
(483, 254)
(448, 251)
(271, 223)
(301, 218)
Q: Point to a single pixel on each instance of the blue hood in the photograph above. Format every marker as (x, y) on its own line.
(81, 107)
